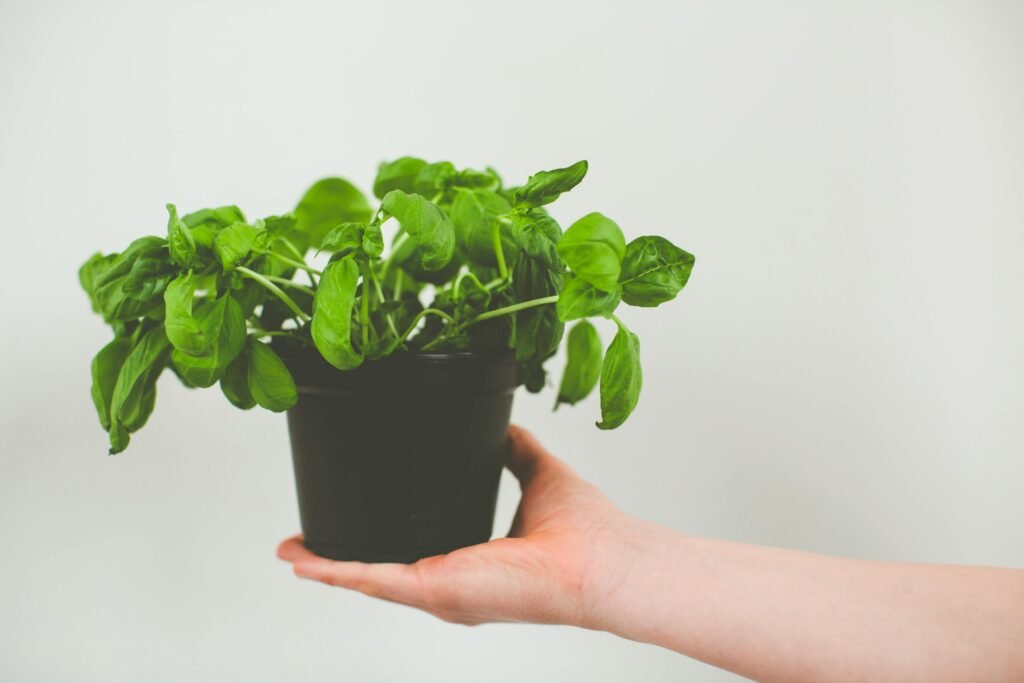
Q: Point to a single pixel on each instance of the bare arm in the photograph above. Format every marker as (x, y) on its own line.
(776, 615)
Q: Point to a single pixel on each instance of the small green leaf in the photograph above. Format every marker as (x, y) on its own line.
(234, 383)
(538, 330)
(343, 238)
(180, 241)
(593, 247)
(580, 299)
(183, 329)
(653, 271)
(582, 365)
(399, 174)
(331, 327)
(270, 382)
(538, 235)
(429, 227)
(233, 244)
(621, 379)
(373, 240)
(546, 186)
(326, 204)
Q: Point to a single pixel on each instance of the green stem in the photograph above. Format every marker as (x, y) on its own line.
(364, 313)
(499, 253)
(292, 262)
(298, 255)
(290, 283)
(276, 291)
(380, 295)
(505, 310)
(419, 316)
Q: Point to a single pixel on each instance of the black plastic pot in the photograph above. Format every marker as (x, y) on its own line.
(399, 459)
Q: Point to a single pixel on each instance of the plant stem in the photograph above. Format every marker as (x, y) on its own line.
(419, 316)
(380, 295)
(292, 262)
(505, 310)
(499, 253)
(364, 313)
(276, 291)
(298, 254)
(290, 283)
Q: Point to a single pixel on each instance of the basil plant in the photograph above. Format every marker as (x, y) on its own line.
(473, 266)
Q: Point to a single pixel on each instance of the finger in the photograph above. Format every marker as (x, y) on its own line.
(290, 548)
(527, 458)
(394, 582)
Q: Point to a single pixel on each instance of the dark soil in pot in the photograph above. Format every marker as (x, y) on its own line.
(399, 459)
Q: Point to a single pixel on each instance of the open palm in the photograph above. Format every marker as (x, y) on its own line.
(542, 572)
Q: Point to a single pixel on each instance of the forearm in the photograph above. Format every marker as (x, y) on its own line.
(776, 614)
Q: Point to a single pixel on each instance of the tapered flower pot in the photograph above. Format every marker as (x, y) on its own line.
(399, 459)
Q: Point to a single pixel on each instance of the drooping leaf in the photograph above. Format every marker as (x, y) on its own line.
(429, 227)
(593, 247)
(331, 327)
(653, 271)
(183, 330)
(538, 330)
(270, 382)
(621, 379)
(546, 186)
(134, 391)
(399, 174)
(580, 299)
(327, 203)
(106, 366)
(223, 325)
(582, 366)
(234, 383)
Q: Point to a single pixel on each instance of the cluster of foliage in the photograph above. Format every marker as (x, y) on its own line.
(499, 272)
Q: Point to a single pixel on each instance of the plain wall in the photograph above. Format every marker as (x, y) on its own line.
(843, 373)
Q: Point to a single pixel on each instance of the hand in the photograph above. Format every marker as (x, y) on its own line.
(564, 549)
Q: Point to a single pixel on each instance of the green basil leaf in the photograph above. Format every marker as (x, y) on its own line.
(429, 227)
(474, 215)
(220, 217)
(538, 235)
(180, 242)
(331, 327)
(234, 383)
(270, 382)
(183, 329)
(88, 273)
(471, 179)
(621, 379)
(133, 396)
(582, 365)
(432, 179)
(653, 271)
(106, 366)
(373, 240)
(343, 238)
(327, 203)
(233, 244)
(399, 174)
(121, 264)
(223, 325)
(538, 330)
(148, 278)
(593, 247)
(580, 299)
(546, 186)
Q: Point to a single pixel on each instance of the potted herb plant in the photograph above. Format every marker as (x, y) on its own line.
(397, 367)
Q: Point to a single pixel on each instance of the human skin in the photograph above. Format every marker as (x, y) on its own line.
(572, 557)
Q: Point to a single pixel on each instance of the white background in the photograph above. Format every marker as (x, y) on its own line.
(843, 374)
